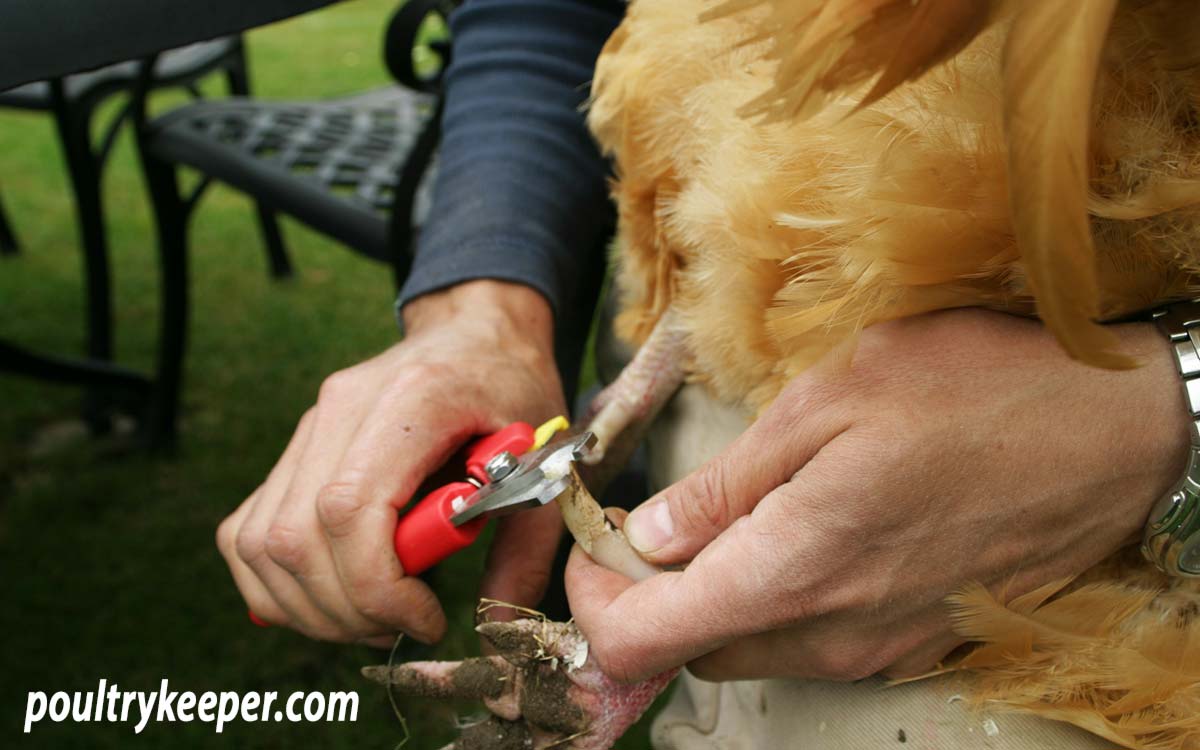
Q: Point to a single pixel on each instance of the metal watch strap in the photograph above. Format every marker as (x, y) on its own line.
(1172, 537)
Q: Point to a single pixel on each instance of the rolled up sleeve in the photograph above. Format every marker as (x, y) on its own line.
(520, 193)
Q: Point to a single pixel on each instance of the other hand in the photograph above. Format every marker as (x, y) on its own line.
(958, 446)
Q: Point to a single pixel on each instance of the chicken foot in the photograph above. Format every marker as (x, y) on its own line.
(542, 690)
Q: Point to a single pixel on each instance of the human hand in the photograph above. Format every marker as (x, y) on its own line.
(959, 446)
(311, 548)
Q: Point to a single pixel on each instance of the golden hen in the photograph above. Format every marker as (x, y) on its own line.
(792, 171)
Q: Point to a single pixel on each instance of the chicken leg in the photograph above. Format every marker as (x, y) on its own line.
(641, 390)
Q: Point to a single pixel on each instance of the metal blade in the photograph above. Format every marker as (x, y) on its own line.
(527, 486)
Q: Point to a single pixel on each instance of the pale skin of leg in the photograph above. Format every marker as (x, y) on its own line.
(642, 388)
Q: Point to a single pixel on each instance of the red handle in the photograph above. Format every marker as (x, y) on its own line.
(517, 438)
(425, 535)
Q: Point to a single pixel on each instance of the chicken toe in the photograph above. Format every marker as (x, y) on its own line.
(543, 690)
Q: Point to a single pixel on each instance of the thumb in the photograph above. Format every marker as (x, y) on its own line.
(674, 525)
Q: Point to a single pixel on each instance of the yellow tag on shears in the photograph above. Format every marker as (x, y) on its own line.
(542, 435)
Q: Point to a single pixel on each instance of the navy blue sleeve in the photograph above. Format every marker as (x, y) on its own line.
(521, 191)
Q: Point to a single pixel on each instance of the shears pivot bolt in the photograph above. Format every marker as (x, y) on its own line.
(500, 466)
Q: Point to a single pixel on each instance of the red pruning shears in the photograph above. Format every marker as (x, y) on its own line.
(517, 468)
(451, 517)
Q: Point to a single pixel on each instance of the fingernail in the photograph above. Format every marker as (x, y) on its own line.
(649, 527)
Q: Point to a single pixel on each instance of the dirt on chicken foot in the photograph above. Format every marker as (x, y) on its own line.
(542, 689)
(519, 646)
(546, 701)
(494, 733)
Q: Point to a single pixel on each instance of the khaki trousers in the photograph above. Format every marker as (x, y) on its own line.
(812, 715)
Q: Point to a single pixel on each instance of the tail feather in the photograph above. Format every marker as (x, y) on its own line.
(1050, 66)
(936, 30)
(1120, 660)
(846, 43)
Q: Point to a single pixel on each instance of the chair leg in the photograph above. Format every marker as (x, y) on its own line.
(84, 169)
(277, 256)
(84, 172)
(238, 76)
(170, 216)
(8, 238)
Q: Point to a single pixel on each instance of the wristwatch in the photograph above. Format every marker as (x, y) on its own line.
(1172, 537)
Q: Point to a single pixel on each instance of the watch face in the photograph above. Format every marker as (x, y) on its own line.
(1189, 559)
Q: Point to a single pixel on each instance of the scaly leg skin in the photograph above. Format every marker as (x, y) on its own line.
(543, 690)
(597, 534)
(642, 388)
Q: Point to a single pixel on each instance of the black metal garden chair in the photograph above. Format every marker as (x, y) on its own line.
(352, 168)
(8, 238)
(74, 102)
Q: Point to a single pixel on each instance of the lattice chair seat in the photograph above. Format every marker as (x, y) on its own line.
(334, 165)
(357, 169)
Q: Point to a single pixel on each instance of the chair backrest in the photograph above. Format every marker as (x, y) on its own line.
(403, 41)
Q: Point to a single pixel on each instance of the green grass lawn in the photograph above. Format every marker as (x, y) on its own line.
(109, 566)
